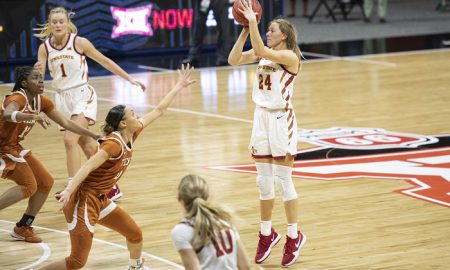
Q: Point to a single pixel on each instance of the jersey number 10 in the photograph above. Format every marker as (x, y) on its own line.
(222, 248)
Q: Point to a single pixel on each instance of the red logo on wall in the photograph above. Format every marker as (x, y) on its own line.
(423, 161)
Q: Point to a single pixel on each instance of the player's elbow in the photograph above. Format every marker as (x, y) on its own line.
(261, 52)
(232, 61)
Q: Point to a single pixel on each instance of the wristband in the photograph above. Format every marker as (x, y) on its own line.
(13, 116)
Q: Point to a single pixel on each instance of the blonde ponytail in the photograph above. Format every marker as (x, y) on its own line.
(208, 219)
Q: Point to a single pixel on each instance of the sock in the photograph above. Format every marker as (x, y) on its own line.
(292, 230)
(25, 221)
(69, 180)
(136, 262)
(266, 227)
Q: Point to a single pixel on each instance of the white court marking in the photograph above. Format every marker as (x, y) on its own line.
(324, 59)
(177, 266)
(44, 256)
(153, 68)
(174, 110)
(357, 59)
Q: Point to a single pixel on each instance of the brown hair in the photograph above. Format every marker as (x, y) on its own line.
(289, 30)
(208, 219)
(113, 118)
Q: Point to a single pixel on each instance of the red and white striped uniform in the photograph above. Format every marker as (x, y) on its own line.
(274, 127)
(68, 67)
(69, 71)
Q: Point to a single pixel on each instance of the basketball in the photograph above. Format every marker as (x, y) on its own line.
(239, 17)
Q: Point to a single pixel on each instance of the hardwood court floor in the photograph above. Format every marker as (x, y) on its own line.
(352, 224)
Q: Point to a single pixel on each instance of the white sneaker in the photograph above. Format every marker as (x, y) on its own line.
(141, 267)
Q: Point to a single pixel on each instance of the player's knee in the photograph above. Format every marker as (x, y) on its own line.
(283, 177)
(29, 189)
(73, 262)
(266, 187)
(70, 142)
(46, 184)
(135, 236)
(88, 144)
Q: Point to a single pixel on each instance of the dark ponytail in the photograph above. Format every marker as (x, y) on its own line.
(112, 121)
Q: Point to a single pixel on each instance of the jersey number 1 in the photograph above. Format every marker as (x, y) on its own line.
(63, 71)
(222, 248)
(265, 82)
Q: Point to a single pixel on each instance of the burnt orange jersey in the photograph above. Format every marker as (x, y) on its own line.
(102, 179)
(12, 133)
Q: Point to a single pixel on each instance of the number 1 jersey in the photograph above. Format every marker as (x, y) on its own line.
(68, 67)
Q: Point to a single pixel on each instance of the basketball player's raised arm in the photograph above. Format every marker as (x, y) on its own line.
(237, 56)
(284, 57)
(86, 47)
(184, 80)
(70, 125)
(93, 163)
(41, 63)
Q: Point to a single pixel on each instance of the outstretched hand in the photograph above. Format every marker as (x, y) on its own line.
(247, 10)
(43, 120)
(184, 75)
(138, 83)
(38, 65)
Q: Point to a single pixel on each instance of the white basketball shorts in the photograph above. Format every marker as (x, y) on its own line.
(274, 133)
(78, 100)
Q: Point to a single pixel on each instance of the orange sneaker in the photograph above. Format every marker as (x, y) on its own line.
(25, 233)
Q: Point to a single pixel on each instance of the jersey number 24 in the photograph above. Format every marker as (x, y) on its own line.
(264, 82)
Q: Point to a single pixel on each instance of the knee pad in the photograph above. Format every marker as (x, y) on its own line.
(266, 187)
(283, 177)
(264, 181)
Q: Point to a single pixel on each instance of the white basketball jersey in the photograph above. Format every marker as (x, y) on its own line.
(274, 86)
(221, 255)
(67, 67)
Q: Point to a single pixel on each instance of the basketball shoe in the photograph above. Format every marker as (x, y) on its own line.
(25, 233)
(292, 249)
(265, 245)
(140, 267)
(115, 193)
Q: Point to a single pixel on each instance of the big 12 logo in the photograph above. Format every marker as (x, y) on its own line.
(353, 153)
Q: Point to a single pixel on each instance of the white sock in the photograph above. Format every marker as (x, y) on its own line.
(136, 262)
(292, 230)
(266, 227)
